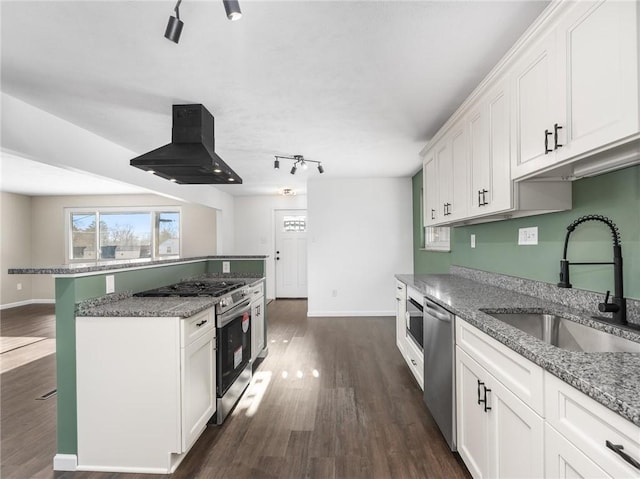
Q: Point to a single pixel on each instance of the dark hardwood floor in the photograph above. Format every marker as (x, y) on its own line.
(333, 399)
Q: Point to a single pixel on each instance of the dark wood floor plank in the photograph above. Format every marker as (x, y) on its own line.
(333, 399)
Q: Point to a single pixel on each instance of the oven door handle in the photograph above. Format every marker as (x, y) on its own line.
(230, 315)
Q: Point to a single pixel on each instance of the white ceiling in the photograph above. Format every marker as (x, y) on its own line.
(360, 86)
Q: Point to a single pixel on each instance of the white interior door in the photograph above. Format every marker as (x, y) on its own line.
(291, 253)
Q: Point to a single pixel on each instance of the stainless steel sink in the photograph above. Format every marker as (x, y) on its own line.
(567, 334)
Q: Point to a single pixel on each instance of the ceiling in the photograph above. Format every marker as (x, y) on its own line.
(359, 86)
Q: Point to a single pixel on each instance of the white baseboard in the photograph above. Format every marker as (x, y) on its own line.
(65, 462)
(335, 314)
(27, 302)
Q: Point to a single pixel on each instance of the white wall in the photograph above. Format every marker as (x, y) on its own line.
(32, 133)
(254, 231)
(15, 248)
(45, 235)
(360, 235)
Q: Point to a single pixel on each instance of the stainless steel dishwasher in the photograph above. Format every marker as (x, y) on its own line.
(439, 369)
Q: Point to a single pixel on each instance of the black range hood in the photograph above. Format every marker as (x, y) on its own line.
(190, 158)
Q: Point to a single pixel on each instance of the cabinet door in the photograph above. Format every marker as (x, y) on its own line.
(499, 195)
(198, 387)
(516, 434)
(430, 181)
(444, 178)
(472, 420)
(598, 49)
(479, 160)
(257, 328)
(401, 309)
(459, 182)
(535, 107)
(565, 461)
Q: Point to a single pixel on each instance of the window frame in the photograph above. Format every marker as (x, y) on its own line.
(153, 210)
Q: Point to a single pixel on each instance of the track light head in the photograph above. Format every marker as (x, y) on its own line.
(294, 169)
(276, 164)
(320, 168)
(304, 165)
(174, 26)
(232, 8)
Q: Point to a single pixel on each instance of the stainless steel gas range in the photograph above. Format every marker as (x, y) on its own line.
(233, 335)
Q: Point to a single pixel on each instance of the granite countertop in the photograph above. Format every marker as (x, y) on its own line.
(126, 305)
(612, 379)
(96, 267)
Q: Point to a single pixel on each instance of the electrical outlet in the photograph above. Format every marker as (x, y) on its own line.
(19, 286)
(473, 241)
(528, 236)
(226, 267)
(110, 283)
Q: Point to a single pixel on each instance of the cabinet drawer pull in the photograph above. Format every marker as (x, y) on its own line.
(433, 214)
(617, 448)
(414, 363)
(484, 197)
(486, 399)
(547, 150)
(557, 145)
(204, 321)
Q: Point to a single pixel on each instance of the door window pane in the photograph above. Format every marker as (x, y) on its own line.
(294, 223)
(83, 235)
(168, 231)
(124, 235)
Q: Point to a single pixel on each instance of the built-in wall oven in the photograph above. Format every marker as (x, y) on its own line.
(234, 356)
(415, 318)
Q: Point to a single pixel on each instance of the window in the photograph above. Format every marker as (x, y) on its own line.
(123, 233)
(294, 223)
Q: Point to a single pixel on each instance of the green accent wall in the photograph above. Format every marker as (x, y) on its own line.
(70, 291)
(615, 195)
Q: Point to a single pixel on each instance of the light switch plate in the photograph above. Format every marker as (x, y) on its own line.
(110, 283)
(473, 241)
(528, 236)
(226, 267)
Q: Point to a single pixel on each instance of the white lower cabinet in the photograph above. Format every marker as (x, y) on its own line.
(565, 461)
(145, 390)
(498, 435)
(198, 390)
(257, 327)
(401, 310)
(593, 429)
(516, 420)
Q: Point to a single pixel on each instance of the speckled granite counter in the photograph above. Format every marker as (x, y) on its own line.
(127, 305)
(612, 379)
(97, 267)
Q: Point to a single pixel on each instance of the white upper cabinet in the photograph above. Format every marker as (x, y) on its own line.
(535, 107)
(430, 185)
(576, 87)
(445, 178)
(489, 140)
(562, 104)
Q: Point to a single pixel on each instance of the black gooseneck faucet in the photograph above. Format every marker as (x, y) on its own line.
(618, 304)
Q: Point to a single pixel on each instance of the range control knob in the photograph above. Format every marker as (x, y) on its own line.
(224, 302)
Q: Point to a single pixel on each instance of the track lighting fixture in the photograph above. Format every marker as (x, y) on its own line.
(298, 160)
(174, 27)
(232, 8)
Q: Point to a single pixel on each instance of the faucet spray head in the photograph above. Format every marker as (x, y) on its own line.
(564, 274)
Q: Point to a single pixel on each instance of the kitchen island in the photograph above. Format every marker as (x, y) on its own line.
(78, 285)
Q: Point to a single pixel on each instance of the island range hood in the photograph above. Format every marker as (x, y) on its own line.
(190, 158)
